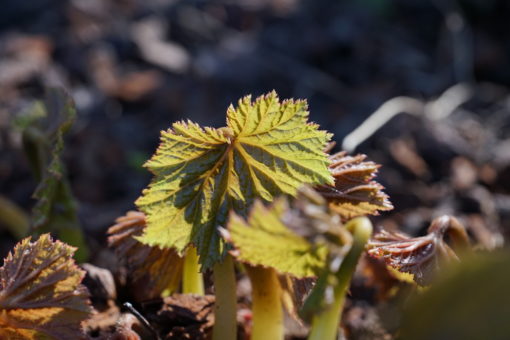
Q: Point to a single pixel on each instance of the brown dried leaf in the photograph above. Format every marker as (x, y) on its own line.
(182, 316)
(354, 193)
(160, 270)
(421, 256)
(40, 292)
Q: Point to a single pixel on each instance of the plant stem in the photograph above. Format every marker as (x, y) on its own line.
(192, 280)
(325, 324)
(14, 218)
(225, 308)
(266, 304)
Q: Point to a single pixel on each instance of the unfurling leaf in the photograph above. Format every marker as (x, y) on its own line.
(43, 141)
(40, 292)
(354, 192)
(158, 270)
(292, 238)
(264, 240)
(420, 256)
(267, 149)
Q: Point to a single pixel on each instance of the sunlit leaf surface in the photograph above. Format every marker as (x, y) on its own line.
(267, 149)
(40, 292)
(265, 240)
(292, 238)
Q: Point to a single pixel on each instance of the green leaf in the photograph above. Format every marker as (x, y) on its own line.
(267, 149)
(264, 240)
(43, 139)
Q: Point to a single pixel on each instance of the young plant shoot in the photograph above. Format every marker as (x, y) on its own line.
(267, 149)
(304, 239)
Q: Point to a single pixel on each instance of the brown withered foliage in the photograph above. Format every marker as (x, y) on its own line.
(421, 256)
(183, 316)
(354, 193)
(156, 270)
(41, 296)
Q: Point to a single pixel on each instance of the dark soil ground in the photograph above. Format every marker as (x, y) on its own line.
(133, 67)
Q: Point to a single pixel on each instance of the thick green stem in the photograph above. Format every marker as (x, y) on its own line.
(325, 324)
(192, 280)
(266, 304)
(225, 308)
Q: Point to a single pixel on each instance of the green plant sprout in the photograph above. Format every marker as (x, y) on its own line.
(43, 128)
(302, 238)
(262, 191)
(266, 150)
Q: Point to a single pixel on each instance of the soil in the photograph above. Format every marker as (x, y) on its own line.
(134, 67)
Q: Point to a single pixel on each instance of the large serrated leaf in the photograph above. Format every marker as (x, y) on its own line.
(267, 149)
(265, 240)
(40, 292)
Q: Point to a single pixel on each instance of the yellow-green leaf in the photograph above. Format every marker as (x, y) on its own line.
(40, 292)
(265, 240)
(267, 149)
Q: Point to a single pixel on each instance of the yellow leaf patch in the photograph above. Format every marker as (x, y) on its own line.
(265, 240)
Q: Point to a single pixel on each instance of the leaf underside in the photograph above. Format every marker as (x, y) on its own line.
(354, 192)
(158, 270)
(267, 149)
(40, 292)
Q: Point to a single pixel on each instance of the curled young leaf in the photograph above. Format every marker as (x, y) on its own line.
(420, 256)
(159, 270)
(265, 240)
(354, 193)
(267, 149)
(40, 292)
(292, 237)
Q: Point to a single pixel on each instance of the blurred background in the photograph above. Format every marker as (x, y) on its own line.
(133, 67)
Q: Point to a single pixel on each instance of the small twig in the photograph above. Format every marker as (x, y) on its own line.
(141, 318)
(380, 117)
(434, 110)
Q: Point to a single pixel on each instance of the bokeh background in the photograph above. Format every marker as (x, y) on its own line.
(133, 67)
